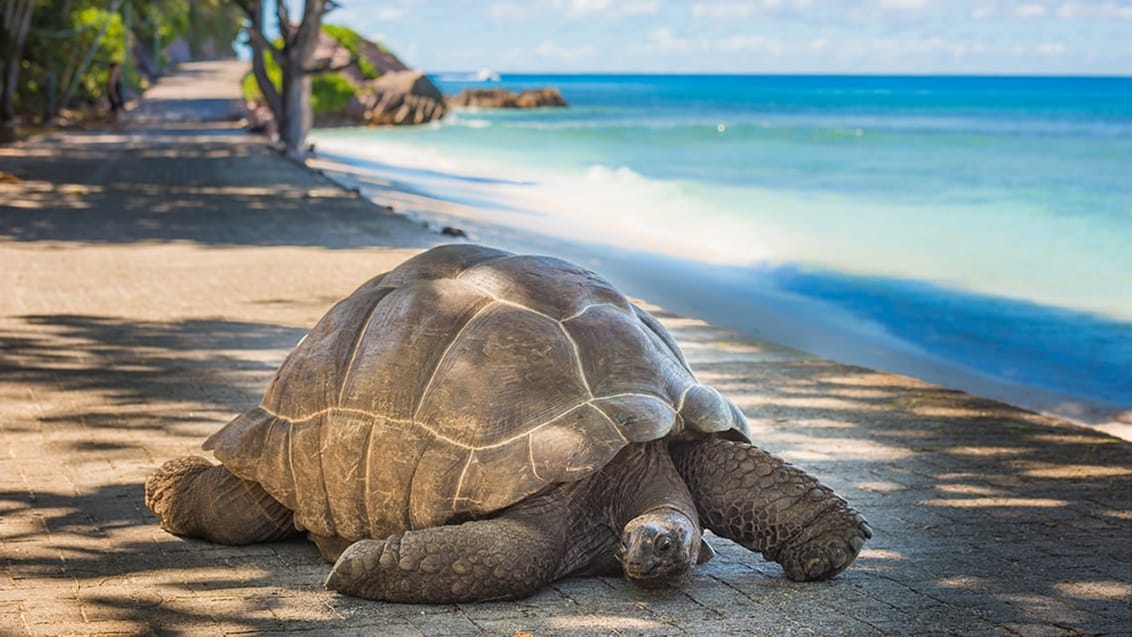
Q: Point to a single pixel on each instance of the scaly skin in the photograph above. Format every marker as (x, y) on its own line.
(502, 558)
(572, 528)
(770, 506)
(193, 497)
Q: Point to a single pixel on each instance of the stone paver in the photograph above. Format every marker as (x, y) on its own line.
(151, 282)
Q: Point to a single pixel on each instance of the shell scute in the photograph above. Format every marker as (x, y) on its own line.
(441, 262)
(402, 342)
(312, 509)
(639, 417)
(395, 448)
(574, 445)
(509, 371)
(497, 477)
(545, 285)
(310, 379)
(344, 470)
(705, 410)
(434, 485)
(618, 356)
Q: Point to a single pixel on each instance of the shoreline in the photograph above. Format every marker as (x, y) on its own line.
(812, 328)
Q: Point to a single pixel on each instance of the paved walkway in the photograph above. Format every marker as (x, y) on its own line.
(150, 283)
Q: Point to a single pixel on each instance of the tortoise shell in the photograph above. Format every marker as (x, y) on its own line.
(458, 384)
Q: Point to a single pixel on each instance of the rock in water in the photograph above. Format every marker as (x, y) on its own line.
(399, 97)
(502, 98)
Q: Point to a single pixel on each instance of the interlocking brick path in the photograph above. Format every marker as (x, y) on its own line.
(151, 282)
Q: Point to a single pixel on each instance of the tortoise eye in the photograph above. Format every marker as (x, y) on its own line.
(663, 544)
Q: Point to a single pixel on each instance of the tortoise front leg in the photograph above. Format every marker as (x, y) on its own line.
(767, 505)
(502, 558)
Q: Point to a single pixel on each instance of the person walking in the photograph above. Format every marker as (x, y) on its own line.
(114, 93)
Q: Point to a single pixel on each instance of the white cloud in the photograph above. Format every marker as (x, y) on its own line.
(551, 50)
(663, 39)
(736, 10)
(933, 45)
(723, 10)
(1095, 11)
(817, 45)
(389, 14)
(748, 43)
(588, 6)
(638, 7)
(607, 8)
(1030, 11)
(981, 13)
(904, 5)
(509, 11)
(1051, 48)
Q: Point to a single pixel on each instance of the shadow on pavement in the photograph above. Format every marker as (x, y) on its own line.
(987, 519)
(142, 374)
(104, 191)
(998, 516)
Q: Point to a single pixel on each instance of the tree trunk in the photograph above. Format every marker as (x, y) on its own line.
(15, 21)
(290, 106)
(297, 117)
(271, 97)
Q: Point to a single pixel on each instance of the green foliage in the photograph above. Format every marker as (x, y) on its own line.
(353, 42)
(56, 46)
(250, 87)
(111, 48)
(63, 32)
(330, 92)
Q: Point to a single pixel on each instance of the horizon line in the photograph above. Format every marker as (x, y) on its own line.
(987, 74)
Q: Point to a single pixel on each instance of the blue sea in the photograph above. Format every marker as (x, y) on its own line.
(984, 223)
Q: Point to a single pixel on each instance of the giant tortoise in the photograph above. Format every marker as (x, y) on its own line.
(475, 424)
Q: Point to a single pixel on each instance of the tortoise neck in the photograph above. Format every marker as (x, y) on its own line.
(641, 479)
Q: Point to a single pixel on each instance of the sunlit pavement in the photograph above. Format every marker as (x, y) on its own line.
(151, 282)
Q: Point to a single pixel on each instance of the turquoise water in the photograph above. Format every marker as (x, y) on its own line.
(983, 221)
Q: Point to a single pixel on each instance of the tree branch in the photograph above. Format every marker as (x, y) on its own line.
(326, 68)
(253, 9)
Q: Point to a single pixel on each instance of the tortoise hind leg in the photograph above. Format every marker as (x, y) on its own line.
(193, 497)
(501, 558)
(745, 494)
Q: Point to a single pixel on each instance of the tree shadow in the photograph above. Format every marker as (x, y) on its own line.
(986, 516)
(137, 374)
(106, 189)
(988, 519)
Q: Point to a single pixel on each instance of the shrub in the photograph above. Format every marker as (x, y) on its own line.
(330, 92)
(353, 43)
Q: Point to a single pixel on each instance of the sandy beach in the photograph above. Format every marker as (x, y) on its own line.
(154, 280)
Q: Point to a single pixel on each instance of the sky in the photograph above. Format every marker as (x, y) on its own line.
(1092, 37)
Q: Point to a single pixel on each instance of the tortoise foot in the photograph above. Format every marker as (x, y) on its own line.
(826, 553)
(166, 492)
(193, 497)
(471, 562)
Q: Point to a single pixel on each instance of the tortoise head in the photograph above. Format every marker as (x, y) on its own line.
(659, 548)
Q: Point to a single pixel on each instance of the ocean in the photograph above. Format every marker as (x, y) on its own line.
(983, 224)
